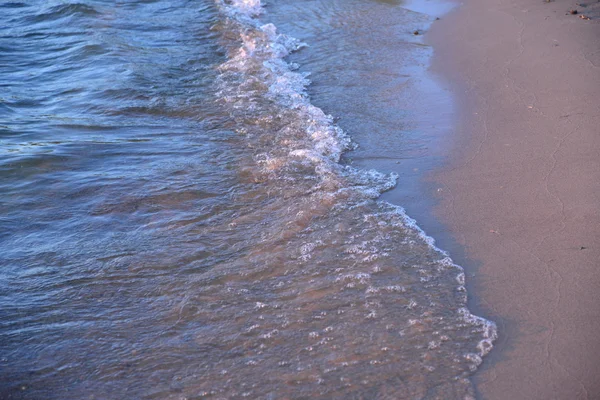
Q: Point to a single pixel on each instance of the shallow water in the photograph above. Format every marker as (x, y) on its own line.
(178, 220)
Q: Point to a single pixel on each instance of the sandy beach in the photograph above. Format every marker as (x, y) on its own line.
(521, 192)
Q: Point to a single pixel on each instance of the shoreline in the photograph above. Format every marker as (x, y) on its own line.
(401, 117)
(519, 192)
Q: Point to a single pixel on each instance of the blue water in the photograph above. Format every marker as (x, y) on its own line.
(176, 219)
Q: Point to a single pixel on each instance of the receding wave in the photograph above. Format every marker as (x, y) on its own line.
(343, 294)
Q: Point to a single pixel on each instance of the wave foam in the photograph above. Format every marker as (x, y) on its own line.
(256, 72)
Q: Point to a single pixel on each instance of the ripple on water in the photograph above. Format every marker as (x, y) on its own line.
(181, 224)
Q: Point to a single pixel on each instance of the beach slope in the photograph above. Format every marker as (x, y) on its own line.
(521, 192)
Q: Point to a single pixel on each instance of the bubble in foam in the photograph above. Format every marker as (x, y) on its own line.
(251, 8)
(487, 328)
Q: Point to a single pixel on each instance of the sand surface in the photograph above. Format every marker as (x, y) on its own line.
(521, 193)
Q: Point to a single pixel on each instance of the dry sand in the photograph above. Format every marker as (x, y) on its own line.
(521, 192)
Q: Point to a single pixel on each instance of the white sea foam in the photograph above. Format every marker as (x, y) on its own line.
(241, 8)
(487, 328)
(260, 62)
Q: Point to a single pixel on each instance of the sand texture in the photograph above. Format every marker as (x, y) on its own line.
(521, 192)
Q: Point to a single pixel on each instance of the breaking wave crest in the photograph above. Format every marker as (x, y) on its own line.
(363, 263)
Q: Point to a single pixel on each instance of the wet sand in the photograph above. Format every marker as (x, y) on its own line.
(520, 193)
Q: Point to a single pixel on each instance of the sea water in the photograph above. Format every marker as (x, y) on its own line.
(179, 220)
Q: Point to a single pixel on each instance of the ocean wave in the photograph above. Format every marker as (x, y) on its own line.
(299, 144)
